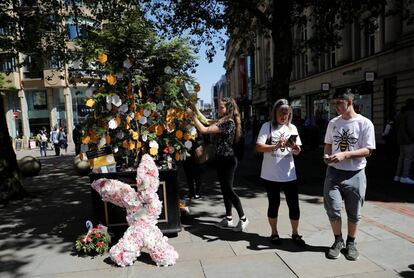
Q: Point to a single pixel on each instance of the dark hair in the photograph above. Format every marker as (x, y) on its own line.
(343, 94)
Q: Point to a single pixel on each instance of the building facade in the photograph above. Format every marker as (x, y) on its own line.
(377, 66)
(44, 97)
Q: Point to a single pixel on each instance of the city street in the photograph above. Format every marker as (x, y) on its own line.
(38, 233)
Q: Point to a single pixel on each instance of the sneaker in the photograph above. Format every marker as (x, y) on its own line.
(298, 240)
(397, 178)
(241, 226)
(335, 251)
(351, 253)
(275, 239)
(225, 224)
(407, 180)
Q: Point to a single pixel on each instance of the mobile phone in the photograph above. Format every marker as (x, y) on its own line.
(292, 138)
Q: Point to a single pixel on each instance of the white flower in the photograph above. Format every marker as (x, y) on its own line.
(143, 120)
(193, 130)
(168, 70)
(147, 113)
(116, 100)
(188, 144)
(123, 108)
(127, 64)
(153, 144)
(112, 124)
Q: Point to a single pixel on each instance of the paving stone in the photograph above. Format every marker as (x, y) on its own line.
(260, 265)
(187, 269)
(390, 254)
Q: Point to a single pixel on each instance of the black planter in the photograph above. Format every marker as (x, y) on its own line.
(113, 216)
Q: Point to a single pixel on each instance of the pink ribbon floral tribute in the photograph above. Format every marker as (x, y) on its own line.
(143, 208)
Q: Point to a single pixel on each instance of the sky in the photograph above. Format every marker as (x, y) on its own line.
(209, 73)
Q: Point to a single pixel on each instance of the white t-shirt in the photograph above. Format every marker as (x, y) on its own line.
(278, 165)
(350, 135)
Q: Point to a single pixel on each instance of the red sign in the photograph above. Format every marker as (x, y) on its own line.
(15, 115)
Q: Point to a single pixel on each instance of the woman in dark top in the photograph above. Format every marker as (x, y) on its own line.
(228, 131)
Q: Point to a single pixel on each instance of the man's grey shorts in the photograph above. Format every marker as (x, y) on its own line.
(349, 186)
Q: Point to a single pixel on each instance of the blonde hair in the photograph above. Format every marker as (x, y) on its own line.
(232, 114)
(281, 103)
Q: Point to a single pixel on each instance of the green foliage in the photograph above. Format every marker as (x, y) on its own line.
(137, 104)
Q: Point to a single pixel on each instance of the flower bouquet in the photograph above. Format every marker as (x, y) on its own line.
(96, 241)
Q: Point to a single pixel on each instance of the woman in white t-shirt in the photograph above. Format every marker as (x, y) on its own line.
(279, 140)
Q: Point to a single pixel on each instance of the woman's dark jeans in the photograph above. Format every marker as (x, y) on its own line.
(226, 167)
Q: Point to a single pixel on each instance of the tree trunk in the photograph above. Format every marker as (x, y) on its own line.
(10, 182)
(282, 49)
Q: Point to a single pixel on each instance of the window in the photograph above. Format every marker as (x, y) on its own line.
(306, 64)
(28, 3)
(7, 63)
(54, 63)
(32, 68)
(332, 58)
(370, 43)
(77, 28)
(51, 23)
(39, 100)
(6, 31)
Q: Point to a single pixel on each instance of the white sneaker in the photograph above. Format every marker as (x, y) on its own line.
(407, 180)
(225, 224)
(241, 226)
(397, 178)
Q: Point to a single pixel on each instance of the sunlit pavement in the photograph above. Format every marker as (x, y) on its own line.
(37, 233)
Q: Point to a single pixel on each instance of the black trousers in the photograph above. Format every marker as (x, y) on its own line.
(290, 189)
(192, 172)
(226, 167)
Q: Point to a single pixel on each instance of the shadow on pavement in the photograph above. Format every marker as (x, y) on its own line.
(408, 274)
(207, 231)
(50, 218)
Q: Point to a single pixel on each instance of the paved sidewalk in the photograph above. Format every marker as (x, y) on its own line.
(37, 234)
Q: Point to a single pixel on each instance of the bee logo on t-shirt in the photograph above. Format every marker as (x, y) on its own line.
(278, 138)
(345, 140)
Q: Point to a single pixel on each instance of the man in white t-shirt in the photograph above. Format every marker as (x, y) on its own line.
(349, 138)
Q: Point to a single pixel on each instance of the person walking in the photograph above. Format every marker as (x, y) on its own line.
(405, 138)
(41, 139)
(349, 138)
(228, 131)
(54, 138)
(279, 140)
(77, 138)
(63, 141)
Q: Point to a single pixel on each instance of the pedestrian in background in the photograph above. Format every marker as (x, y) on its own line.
(41, 139)
(77, 138)
(63, 140)
(279, 140)
(192, 169)
(228, 131)
(349, 138)
(54, 138)
(405, 138)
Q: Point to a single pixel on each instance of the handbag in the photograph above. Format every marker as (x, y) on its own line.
(203, 153)
(269, 138)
